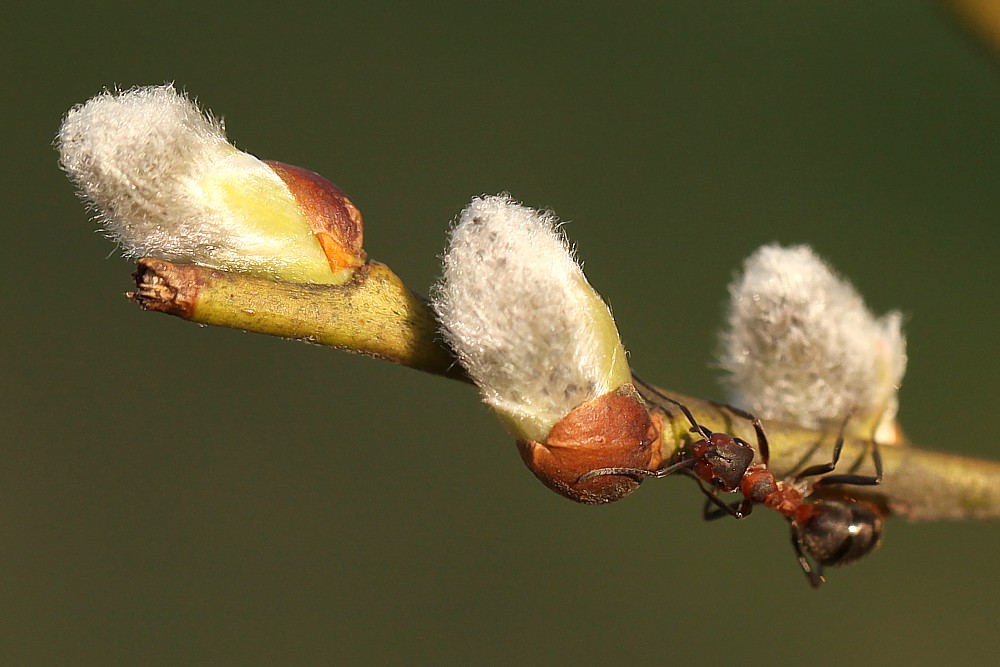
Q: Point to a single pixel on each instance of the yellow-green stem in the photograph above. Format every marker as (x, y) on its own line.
(376, 315)
(373, 314)
(918, 484)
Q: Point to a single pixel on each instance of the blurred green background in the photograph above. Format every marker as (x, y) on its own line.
(172, 495)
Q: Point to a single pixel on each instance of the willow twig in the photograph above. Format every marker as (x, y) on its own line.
(376, 315)
(373, 314)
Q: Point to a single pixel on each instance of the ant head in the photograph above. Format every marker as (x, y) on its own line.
(722, 461)
(838, 532)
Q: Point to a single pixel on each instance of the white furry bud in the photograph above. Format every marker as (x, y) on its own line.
(522, 319)
(166, 183)
(801, 346)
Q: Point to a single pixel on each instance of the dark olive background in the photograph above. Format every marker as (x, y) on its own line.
(171, 494)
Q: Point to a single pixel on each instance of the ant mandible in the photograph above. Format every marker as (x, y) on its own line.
(829, 531)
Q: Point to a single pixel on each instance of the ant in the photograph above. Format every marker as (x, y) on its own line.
(828, 531)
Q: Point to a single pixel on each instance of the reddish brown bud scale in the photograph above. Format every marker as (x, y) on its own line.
(613, 430)
(332, 217)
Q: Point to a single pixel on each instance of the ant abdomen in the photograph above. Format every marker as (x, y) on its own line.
(759, 485)
(838, 532)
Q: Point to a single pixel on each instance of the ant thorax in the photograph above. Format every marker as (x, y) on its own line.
(759, 485)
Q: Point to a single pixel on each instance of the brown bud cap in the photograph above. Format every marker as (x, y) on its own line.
(332, 217)
(611, 431)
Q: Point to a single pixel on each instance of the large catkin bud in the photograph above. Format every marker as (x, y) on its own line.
(801, 346)
(543, 349)
(165, 183)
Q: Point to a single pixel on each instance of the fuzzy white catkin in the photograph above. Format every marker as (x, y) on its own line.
(521, 317)
(164, 182)
(801, 346)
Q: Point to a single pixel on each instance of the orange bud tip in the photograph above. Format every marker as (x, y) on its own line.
(333, 218)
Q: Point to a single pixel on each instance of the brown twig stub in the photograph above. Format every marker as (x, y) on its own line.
(166, 288)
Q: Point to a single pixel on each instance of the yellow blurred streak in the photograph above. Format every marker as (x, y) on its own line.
(981, 17)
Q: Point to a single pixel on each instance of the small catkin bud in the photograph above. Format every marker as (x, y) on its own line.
(542, 347)
(801, 346)
(165, 183)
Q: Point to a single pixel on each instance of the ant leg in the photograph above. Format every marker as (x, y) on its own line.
(721, 507)
(712, 513)
(637, 472)
(815, 577)
(857, 480)
(695, 426)
(738, 510)
(823, 468)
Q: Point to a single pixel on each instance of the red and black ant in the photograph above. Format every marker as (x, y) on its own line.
(828, 531)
